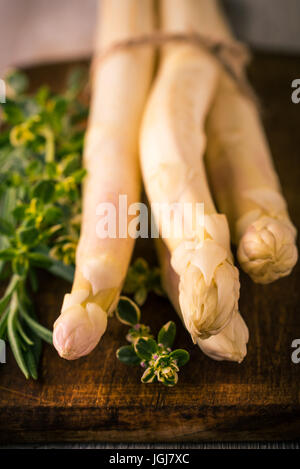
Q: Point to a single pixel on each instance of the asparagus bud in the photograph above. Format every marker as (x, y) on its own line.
(209, 282)
(266, 249)
(79, 328)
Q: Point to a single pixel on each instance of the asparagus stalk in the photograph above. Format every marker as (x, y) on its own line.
(172, 145)
(120, 87)
(231, 343)
(244, 181)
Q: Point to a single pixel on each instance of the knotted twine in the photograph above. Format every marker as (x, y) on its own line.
(233, 56)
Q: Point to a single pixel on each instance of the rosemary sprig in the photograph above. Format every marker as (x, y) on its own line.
(40, 158)
(155, 356)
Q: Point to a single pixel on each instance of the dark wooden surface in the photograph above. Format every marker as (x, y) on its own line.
(99, 399)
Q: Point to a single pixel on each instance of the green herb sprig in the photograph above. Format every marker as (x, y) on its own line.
(40, 159)
(141, 280)
(155, 356)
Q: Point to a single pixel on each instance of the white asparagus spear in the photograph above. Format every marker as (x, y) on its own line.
(244, 181)
(231, 343)
(120, 86)
(172, 145)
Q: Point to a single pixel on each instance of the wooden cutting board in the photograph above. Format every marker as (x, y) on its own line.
(99, 399)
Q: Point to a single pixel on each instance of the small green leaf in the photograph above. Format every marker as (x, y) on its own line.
(7, 254)
(137, 331)
(148, 376)
(4, 302)
(31, 363)
(33, 280)
(52, 215)
(145, 348)
(13, 338)
(40, 260)
(37, 328)
(142, 279)
(127, 311)
(3, 324)
(61, 270)
(140, 296)
(6, 228)
(28, 236)
(44, 190)
(140, 265)
(166, 335)
(12, 113)
(51, 169)
(128, 355)
(32, 355)
(29, 222)
(37, 348)
(22, 333)
(70, 164)
(167, 377)
(79, 175)
(19, 212)
(11, 287)
(42, 94)
(181, 356)
(20, 266)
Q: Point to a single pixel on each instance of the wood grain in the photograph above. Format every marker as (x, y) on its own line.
(99, 399)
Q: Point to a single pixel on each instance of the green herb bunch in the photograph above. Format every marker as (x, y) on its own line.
(141, 280)
(155, 356)
(41, 144)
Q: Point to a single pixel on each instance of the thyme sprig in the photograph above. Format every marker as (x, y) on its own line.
(155, 356)
(142, 279)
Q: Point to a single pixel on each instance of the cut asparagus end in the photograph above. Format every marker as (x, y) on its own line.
(230, 344)
(79, 328)
(267, 250)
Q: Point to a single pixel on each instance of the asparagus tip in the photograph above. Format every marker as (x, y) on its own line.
(78, 330)
(267, 250)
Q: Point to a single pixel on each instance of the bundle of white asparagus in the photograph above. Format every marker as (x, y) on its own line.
(194, 106)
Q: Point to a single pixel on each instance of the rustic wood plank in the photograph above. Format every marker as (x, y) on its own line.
(98, 399)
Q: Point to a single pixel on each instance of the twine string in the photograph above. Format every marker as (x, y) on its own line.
(233, 56)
